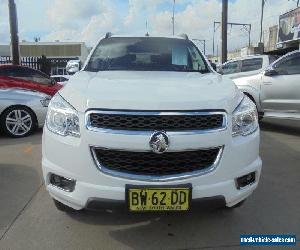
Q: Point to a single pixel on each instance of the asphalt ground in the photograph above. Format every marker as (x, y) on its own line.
(29, 219)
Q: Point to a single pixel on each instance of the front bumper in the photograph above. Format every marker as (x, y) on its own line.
(71, 157)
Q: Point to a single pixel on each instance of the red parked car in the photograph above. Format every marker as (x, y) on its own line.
(12, 76)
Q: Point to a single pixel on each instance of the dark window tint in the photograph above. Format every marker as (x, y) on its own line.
(14, 72)
(251, 64)
(56, 78)
(36, 76)
(63, 79)
(272, 59)
(4, 72)
(27, 74)
(230, 68)
(289, 65)
(147, 54)
(39, 77)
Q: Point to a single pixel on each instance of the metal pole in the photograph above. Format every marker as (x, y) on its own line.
(214, 40)
(204, 46)
(173, 18)
(249, 35)
(261, 19)
(224, 30)
(298, 3)
(13, 22)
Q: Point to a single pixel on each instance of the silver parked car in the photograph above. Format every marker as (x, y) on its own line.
(22, 111)
(246, 66)
(275, 90)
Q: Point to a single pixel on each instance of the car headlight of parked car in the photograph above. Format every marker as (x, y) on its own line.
(62, 118)
(245, 118)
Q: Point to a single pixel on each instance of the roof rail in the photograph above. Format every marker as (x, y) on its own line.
(185, 36)
(108, 35)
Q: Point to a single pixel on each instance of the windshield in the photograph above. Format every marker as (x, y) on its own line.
(147, 54)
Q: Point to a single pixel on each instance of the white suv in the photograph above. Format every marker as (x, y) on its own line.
(147, 124)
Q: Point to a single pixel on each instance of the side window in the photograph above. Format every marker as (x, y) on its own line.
(196, 61)
(26, 74)
(230, 68)
(252, 64)
(289, 65)
(21, 73)
(13, 72)
(38, 77)
(5, 71)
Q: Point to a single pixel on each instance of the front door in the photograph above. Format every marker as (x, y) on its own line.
(280, 94)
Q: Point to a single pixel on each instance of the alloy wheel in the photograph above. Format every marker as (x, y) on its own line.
(19, 122)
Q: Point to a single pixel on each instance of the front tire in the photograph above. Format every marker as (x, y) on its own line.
(18, 121)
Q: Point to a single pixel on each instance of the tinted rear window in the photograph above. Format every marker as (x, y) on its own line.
(230, 68)
(12, 71)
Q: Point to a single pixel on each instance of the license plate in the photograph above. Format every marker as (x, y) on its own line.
(158, 198)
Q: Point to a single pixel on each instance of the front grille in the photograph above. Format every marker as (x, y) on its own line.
(168, 122)
(149, 163)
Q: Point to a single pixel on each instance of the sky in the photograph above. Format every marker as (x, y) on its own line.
(88, 20)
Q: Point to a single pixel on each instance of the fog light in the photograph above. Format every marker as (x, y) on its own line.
(63, 183)
(245, 180)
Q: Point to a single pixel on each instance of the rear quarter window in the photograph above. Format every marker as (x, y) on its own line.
(251, 64)
(230, 68)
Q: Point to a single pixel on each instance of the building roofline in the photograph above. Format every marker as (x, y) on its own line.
(51, 43)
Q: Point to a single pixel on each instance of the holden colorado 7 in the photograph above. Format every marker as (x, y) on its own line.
(149, 125)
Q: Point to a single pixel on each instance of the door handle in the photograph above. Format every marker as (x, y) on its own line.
(267, 83)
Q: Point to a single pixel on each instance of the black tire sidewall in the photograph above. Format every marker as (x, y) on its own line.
(3, 121)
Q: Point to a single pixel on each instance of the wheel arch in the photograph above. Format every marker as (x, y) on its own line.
(250, 96)
(260, 113)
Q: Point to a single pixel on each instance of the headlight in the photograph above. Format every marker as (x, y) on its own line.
(45, 101)
(62, 118)
(245, 118)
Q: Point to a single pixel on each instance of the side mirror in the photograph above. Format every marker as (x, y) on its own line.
(271, 72)
(52, 82)
(214, 66)
(72, 69)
